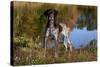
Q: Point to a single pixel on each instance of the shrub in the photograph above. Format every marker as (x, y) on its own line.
(21, 41)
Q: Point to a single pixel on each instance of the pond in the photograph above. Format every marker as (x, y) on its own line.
(82, 36)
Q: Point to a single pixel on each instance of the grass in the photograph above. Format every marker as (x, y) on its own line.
(33, 55)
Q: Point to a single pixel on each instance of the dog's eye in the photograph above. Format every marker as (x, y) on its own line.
(51, 18)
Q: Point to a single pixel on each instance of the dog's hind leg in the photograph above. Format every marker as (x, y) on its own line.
(70, 44)
(65, 43)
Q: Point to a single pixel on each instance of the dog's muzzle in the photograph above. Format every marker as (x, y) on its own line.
(52, 37)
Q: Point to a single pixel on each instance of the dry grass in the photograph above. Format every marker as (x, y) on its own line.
(29, 56)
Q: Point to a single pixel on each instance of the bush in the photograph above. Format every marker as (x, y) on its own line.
(92, 46)
(21, 41)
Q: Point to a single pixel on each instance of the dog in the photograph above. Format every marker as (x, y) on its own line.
(54, 30)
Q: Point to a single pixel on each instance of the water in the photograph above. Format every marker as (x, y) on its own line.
(82, 36)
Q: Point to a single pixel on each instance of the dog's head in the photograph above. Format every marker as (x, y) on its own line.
(51, 12)
(51, 15)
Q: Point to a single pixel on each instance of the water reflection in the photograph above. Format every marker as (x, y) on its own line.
(82, 36)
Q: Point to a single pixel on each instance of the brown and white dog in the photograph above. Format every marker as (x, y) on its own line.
(53, 30)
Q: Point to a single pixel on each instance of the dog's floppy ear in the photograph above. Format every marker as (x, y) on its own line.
(56, 12)
(46, 13)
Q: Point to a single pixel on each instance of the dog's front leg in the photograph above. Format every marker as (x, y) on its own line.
(56, 41)
(45, 48)
(56, 53)
(45, 41)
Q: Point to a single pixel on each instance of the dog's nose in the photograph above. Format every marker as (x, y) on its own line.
(52, 37)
